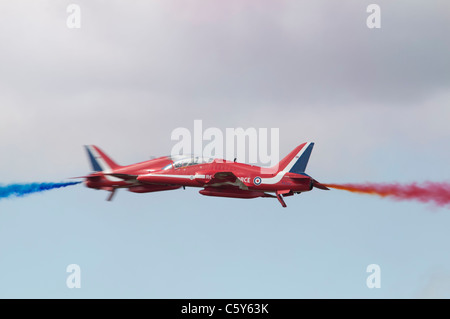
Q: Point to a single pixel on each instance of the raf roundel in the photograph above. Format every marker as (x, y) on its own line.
(257, 180)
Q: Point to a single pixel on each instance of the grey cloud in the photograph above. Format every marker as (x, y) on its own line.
(302, 52)
(137, 70)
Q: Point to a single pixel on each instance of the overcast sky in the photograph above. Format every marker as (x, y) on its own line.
(375, 101)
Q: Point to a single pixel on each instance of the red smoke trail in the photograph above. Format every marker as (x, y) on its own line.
(426, 192)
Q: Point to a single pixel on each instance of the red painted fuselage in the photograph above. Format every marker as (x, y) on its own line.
(217, 177)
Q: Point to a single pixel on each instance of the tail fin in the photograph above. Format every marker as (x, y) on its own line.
(100, 162)
(296, 161)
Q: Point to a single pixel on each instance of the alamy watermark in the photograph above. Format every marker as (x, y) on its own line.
(74, 18)
(250, 145)
(74, 279)
(374, 19)
(374, 279)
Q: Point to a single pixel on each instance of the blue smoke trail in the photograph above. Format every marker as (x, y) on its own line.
(20, 190)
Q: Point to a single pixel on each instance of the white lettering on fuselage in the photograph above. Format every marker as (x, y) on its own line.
(244, 179)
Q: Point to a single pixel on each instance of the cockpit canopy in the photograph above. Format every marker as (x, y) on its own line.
(183, 161)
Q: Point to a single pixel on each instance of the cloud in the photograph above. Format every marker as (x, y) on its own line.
(291, 52)
(134, 72)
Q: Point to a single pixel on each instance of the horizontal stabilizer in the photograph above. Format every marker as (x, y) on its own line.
(87, 176)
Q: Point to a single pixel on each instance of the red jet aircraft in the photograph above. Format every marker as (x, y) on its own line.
(217, 177)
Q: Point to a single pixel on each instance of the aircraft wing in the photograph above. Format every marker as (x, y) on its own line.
(226, 179)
